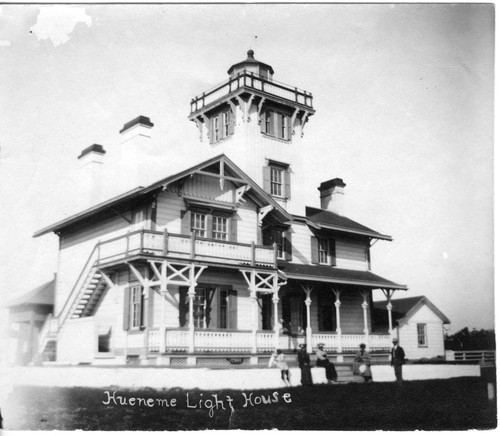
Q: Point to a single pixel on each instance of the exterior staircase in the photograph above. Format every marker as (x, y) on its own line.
(89, 295)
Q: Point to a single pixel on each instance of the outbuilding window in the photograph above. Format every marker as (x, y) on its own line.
(422, 335)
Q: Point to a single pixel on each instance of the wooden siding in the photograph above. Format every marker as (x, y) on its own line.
(208, 188)
(168, 208)
(435, 338)
(247, 224)
(350, 253)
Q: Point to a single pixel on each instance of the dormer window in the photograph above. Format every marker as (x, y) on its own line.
(210, 224)
(221, 126)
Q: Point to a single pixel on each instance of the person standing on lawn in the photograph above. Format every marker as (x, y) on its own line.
(305, 366)
(278, 359)
(397, 360)
(323, 361)
(362, 363)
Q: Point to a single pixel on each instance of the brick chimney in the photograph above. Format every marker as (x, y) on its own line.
(91, 161)
(331, 194)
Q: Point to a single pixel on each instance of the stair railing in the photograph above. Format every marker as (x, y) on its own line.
(75, 291)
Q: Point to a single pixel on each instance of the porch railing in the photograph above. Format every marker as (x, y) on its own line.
(177, 339)
(185, 247)
(249, 80)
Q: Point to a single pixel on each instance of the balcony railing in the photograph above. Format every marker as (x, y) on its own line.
(249, 80)
(218, 340)
(184, 247)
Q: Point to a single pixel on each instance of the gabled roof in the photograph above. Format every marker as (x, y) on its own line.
(228, 171)
(324, 219)
(43, 295)
(324, 273)
(404, 308)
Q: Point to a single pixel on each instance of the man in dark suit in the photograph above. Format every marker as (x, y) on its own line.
(397, 360)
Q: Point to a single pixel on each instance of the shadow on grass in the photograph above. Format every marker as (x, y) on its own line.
(454, 404)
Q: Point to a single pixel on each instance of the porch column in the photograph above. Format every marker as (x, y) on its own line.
(145, 295)
(308, 290)
(276, 300)
(388, 294)
(337, 293)
(364, 305)
(191, 295)
(255, 318)
(163, 295)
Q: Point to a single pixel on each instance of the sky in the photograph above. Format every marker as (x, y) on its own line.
(404, 115)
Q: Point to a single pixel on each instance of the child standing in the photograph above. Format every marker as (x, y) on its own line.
(278, 359)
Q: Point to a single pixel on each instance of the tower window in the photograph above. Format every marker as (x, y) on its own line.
(221, 126)
(276, 124)
(277, 181)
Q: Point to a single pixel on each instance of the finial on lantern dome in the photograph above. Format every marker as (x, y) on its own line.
(250, 53)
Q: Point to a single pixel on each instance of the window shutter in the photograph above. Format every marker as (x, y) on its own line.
(314, 250)
(150, 308)
(183, 306)
(143, 310)
(273, 121)
(263, 122)
(332, 252)
(231, 122)
(266, 182)
(288, 191)
(209, 222)
(289, 128)
(232, 309)
(126, 309)
(233, 228)
(186, 222)
(288, 244)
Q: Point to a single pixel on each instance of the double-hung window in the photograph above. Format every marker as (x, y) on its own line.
(422, 335)
(199, 224)
(220, 228)
(133, 316)
(220, 225)
(221, 125)
(323, 251)
(276, 124)
(277, 181)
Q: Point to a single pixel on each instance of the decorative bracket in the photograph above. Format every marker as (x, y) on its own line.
(240, 192)
(263, 211)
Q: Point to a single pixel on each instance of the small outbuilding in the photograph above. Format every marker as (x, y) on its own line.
(419, 325)
(27, 316)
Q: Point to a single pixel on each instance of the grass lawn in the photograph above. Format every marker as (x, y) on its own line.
(453, 404)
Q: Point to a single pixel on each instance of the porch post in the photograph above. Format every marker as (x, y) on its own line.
(163, 295)
(255, 319)
(145, 295)
(276, 300)
(337, 293)
(191, 295)
(308, 290)
(364, 305)
(388, 294)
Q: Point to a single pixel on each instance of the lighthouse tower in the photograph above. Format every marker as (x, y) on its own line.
(259, 124)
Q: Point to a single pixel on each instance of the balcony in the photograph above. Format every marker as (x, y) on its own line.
(164, 244)
(249, 81)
